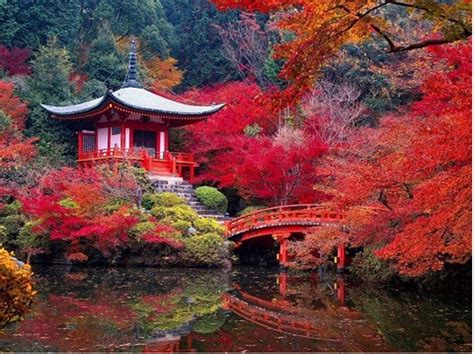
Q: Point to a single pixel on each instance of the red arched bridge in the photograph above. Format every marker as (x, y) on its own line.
(282, 222)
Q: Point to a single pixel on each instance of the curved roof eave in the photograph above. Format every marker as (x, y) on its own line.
(80, 108)
(89, 106)
(212, 110)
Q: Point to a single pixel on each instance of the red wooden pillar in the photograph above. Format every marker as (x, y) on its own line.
(283, 255)
(341, 290)
(341, 258)
(191, 172)
(190, 342)
(173, 165)
(122, 138)
(157, 150)
(109, 138)
(80, 148)
(283, 283)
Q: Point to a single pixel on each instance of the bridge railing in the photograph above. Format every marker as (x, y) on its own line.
(298, 213)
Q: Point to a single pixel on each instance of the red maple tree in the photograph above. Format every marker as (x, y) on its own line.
(15, 150)
(13, 60)
(416, 169)
(247, 147)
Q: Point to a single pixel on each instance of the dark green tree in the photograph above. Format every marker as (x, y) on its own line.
(105, 63)
(29, 23)
(50, 84)
(199, 52)
(144, 19)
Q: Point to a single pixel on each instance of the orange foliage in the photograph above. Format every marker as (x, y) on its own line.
(321, 28)
(163, 73)
(417, 168)
(14, 149)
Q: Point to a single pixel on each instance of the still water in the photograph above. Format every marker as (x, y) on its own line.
(103, 309)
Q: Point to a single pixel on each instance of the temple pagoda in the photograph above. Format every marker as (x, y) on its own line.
(132, 125)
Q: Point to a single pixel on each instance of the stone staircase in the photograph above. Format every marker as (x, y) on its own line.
(185, 190)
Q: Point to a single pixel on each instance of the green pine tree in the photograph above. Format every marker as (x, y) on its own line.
(49, 84)
(30, 23)
(199, 52)
(105, 63)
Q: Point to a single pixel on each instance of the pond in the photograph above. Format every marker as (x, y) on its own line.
(253, 309)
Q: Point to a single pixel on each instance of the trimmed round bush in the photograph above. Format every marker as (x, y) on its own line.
(211, 198)
(208, 225)
(182, 226)
(175, 213)
(166, 199)
(204, 250)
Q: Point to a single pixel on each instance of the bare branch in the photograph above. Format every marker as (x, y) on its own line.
(247, 47)
(331, 111)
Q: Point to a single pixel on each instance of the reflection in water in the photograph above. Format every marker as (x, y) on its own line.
(247, 309)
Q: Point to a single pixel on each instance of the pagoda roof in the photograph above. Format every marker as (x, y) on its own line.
(136, 99)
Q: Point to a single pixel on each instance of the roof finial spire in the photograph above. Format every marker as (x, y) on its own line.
(131, 79)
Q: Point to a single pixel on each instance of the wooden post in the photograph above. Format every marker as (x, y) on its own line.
(191, 172)
(283, 255)
(283, 283)
(109, 138)
(79, 145)
(341, 290)
(190, 342)
(173, 165)
(122, 139)
(341, 258)
(157, 144)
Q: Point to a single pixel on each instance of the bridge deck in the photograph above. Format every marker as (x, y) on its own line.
(300, 215)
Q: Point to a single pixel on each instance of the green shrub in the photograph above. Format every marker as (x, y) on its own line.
(114, 205)
(3, 235)
(152, 200)
(208, 225)
(367, 266)
(209, 323)
(211, 198)
(141, 176)
(182, 226)
(175, 213)
(251, 209)
(204, 250)
(5, 121)
(13, 208)
(31, 242)
(68, 203)
(141, 228)
(13, 224)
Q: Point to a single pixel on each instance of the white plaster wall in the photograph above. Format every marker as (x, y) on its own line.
(127, 138)
(162, 145)
(102, 138)
(115, 139)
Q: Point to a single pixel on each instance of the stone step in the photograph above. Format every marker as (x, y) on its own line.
(175, 189)
(186, 190)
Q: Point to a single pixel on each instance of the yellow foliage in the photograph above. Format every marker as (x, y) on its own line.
(16, 290)
(164, 73)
